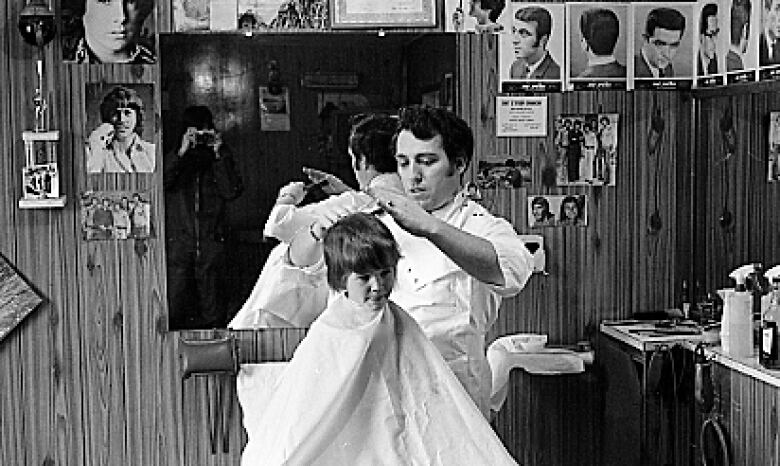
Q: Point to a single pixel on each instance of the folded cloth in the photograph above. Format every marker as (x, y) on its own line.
(368, 388)
(503, 356)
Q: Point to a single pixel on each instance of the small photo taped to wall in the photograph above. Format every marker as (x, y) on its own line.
(41, 181)
(557, 210)
(115, 215)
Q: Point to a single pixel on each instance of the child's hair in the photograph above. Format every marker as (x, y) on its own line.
(358, 243)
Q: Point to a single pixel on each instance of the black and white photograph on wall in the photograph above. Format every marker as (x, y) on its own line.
(191, 15)
(710, 46)
(479, 16)
(597, 46)
(663, 36)
(508, 172)
(531, 50)
(769, 40)
(741, 28)
(119, 128)
(249, 16)
(108, 31)
(41, 181)
(115, 215)
(557, 210)
(586, 149)
(17, 298)
(773, 171)
(274, 109)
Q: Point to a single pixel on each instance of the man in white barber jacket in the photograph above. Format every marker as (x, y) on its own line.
(458, 261)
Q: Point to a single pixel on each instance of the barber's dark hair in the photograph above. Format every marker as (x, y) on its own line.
(538, 15)
(494, 6)
(371, 139)
(740, 18)
(600, 28)
(197, 116)
(427, 122)
(358, 243)
(665, 18)
(710, 9)
(122, 97)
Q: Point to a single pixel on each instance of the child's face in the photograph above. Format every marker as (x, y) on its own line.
(371, 289)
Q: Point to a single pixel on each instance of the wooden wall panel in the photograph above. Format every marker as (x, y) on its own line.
(92, 378)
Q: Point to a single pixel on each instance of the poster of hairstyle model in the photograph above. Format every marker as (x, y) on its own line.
(773, 172)
(531, 51)
(119, 139)
(740, 28)
(475, 16)
(17, 298)
(598, 47)
(663, 36)
(769, 39)
(113, 31)
(557, 210)
(115, 215)
(586, 148)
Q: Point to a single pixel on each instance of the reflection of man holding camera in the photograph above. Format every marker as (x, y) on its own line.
(200, 177)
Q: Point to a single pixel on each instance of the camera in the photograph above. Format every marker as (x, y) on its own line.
(205, 137)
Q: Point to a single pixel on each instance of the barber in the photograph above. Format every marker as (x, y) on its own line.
(458, 261)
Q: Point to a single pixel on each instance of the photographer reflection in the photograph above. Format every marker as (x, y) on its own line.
(200, 177)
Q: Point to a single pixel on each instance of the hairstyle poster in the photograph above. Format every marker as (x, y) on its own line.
(769, 39)
(663, 35)
(557, 210)
(17, 298)
(274, 109)
(108, 31)
(586, 148)
(710, 44)
(510, 172)
(773, 172)
(598, 46)
(115, 215)
(531, 52)
(119, 128)
(741, 28)
(475, 16)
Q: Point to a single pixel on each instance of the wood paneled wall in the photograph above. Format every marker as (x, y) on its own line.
(91, 378)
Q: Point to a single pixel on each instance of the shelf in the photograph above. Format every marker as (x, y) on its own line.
(48, 203)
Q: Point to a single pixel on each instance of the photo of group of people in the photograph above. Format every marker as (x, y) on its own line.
(626, 45)
(41, 181)
(510, 173)
(587, 149)
(557, 210)
(115, 215)
(249, 15)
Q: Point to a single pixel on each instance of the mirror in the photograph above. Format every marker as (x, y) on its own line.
(279, 102)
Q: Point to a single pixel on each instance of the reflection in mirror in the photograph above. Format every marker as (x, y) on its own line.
(241, 118)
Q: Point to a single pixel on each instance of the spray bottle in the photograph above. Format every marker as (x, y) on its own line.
(769, 347)
(736, 328)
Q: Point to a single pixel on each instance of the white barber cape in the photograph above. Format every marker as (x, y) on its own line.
(368, 388)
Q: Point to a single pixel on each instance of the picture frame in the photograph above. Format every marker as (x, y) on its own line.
(356, 14)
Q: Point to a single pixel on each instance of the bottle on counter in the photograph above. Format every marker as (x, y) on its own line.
(686, 301)
(769, 353)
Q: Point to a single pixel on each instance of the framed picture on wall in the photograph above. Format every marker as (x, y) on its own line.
(352, 14)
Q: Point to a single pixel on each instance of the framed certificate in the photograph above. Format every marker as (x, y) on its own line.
(350, 14)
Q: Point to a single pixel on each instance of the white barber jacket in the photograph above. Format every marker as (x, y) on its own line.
(454, 309)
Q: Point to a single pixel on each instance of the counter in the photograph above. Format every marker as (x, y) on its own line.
(645, 336)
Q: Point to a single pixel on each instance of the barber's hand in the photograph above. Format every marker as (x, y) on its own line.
(334, 185)
(101, 137)
(292, 193)
(188, 140)
(406, 212)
